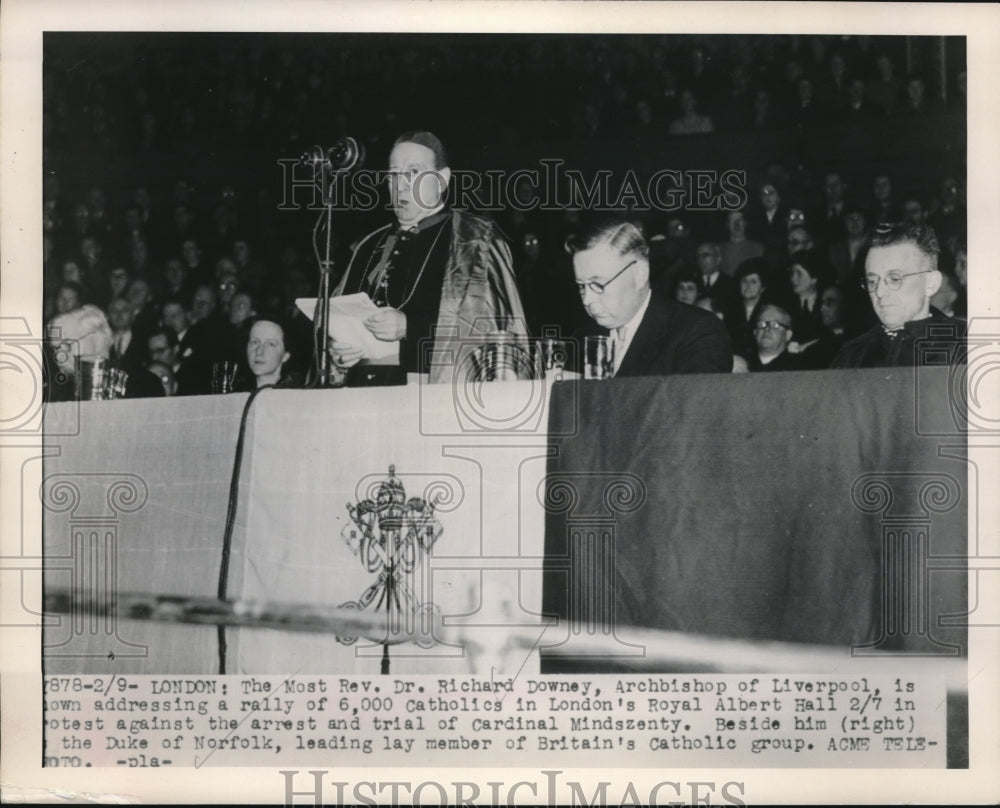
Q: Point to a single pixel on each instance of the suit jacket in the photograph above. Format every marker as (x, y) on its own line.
(783, 361)
(134, 357)
(724, 289)
(675, 338)
(204, 344)
(934, 340)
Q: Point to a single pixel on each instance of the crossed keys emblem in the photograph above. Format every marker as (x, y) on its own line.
(390, 535)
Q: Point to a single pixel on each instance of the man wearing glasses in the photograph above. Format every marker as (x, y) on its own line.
(901, 275)
(653, 335)
(435, 272)
(772, 332)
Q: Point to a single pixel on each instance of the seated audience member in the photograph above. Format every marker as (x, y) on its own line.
(799, 239)
(161, 345)
(767, 225)
(884, 91)
(901, 276)
(241, 309)
(832, 310)
(227, 285)
(828, 217)
(176, 282)
(174, 316)
(204, 342)
(949, 299)
(140, 296)
(805, 111)
(962, 265)
(143, 383)
(847, 255)
(914, 101)
(713, 305)
(166, 376)
(737, 248)
(913, 211)
(742, 316)
(654, 336)
(83, 333)
(241, 318)
(118, 283)
(670, 254)
(883, 207)
(686, 287)
(807, 274)
(69, 296)
(858, 108)
(772, 333)
(267, 353)
(128, 347)
(690, 121)
(949, 217)
(713, 282)
(204, 302)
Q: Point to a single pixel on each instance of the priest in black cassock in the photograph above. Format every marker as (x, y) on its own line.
(442, 278)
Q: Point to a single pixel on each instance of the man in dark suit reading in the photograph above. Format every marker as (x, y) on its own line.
(653, 335)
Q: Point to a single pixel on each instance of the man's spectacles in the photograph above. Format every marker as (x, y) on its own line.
(598, 288)
(770, 325)
(892, 281)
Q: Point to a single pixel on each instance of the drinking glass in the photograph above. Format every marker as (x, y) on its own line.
(223, 377)
(599, 358)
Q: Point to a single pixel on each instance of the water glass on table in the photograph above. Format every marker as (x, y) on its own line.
(551, 358)
(599, 358)
(223, 377)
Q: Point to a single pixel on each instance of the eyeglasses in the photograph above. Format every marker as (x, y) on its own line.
(770, 325)
(892, 281)
(598, 288)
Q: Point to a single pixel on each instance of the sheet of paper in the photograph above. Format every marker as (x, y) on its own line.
(347, 316)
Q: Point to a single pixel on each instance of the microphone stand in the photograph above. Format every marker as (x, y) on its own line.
(321, 317)
(343, 156)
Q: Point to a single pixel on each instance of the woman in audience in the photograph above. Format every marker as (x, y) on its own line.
(267, 353)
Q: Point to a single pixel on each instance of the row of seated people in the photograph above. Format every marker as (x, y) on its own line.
(797, 325)
(174, 237)
(585, 87)
(167, 253)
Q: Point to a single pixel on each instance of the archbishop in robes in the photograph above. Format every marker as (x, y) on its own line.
(443, 279)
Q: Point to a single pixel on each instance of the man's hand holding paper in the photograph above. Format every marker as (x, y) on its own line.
(387, 324)
(359, 329)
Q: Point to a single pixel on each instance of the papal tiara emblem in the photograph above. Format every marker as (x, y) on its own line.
(391, 536)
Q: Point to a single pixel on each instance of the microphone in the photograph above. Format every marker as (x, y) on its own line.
(344, 155)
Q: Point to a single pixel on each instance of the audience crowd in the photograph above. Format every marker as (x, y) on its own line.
(181, 268)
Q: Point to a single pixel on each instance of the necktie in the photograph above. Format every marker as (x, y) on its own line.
(618, 341)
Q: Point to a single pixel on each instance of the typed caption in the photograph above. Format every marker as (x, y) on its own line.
(653, 720)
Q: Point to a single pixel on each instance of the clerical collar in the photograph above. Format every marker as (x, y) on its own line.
(427, 221)
(911, 326)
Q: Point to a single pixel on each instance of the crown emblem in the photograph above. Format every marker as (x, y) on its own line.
(391, 536)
